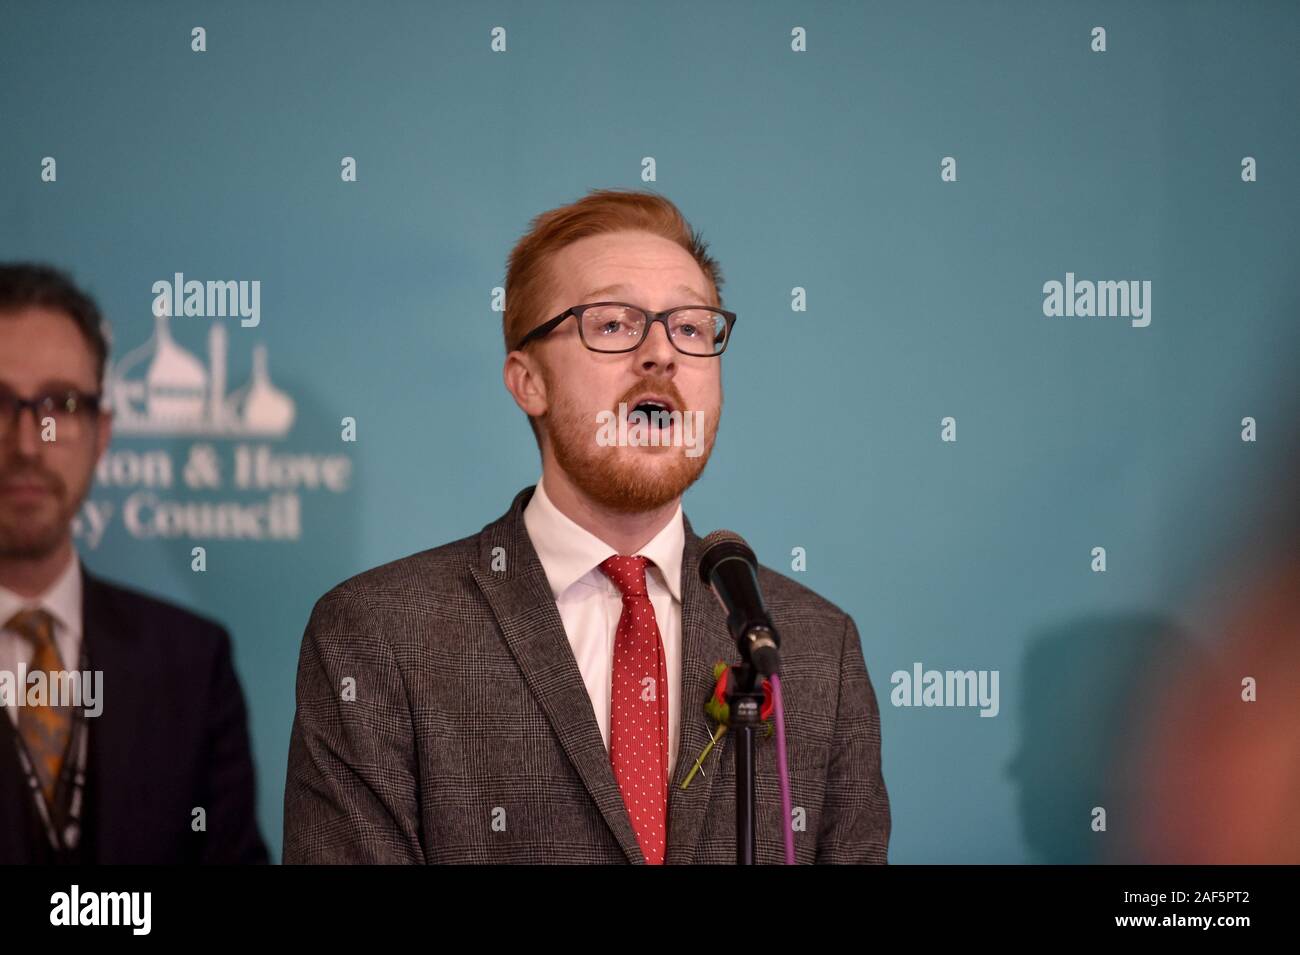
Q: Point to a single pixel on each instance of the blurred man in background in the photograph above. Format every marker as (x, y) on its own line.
(169, 744)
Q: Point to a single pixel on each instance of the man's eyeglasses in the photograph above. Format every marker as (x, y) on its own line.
(619, 327)
(70, 410)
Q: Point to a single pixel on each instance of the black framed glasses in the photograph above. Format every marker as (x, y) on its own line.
(68, 408)
(612, 327)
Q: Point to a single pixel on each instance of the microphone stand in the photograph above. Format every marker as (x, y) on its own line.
(728, 567)
(745, 704)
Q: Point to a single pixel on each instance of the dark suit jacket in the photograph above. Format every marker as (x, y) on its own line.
(172, 737)
(471, 737)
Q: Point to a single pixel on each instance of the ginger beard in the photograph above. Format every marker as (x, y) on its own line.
(626, 480)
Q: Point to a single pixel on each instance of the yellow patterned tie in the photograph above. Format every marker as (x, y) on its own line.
(44, 729)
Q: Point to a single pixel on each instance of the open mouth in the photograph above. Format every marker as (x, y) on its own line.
(656, 411)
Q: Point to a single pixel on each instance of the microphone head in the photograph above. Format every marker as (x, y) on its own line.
(723, 545)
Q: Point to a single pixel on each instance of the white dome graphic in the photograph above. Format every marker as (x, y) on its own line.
(262, 407)
(160, 388)
(176, 385)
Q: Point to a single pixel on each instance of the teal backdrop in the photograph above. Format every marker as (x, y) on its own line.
(821, 170)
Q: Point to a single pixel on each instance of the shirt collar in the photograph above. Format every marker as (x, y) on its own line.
(62, 601)
(568, 552)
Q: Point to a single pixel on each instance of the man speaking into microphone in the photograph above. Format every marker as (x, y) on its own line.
(536, 692)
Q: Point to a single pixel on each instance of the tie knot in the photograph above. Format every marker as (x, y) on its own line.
(627, 573)
(35, 624)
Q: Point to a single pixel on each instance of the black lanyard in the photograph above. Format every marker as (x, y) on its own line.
(63, 837)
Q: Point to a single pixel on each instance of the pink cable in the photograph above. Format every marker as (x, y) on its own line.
(782, 771)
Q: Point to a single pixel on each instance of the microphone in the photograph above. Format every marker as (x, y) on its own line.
(730, 569)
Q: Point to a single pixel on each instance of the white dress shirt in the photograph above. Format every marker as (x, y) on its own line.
(590, 604)
(63, 602)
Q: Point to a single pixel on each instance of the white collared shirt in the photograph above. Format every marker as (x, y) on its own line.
(590, 605)
(63, 602)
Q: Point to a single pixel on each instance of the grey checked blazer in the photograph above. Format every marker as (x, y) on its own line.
(472, 739)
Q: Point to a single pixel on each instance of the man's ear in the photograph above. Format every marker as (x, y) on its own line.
(103, 433)
(524, 380)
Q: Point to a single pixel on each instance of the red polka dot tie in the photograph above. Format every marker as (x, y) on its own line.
(638, 717)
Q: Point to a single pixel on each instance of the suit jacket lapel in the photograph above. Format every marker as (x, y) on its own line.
(705, 639)
(114, 768)
(15, 799)
(525, 610)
